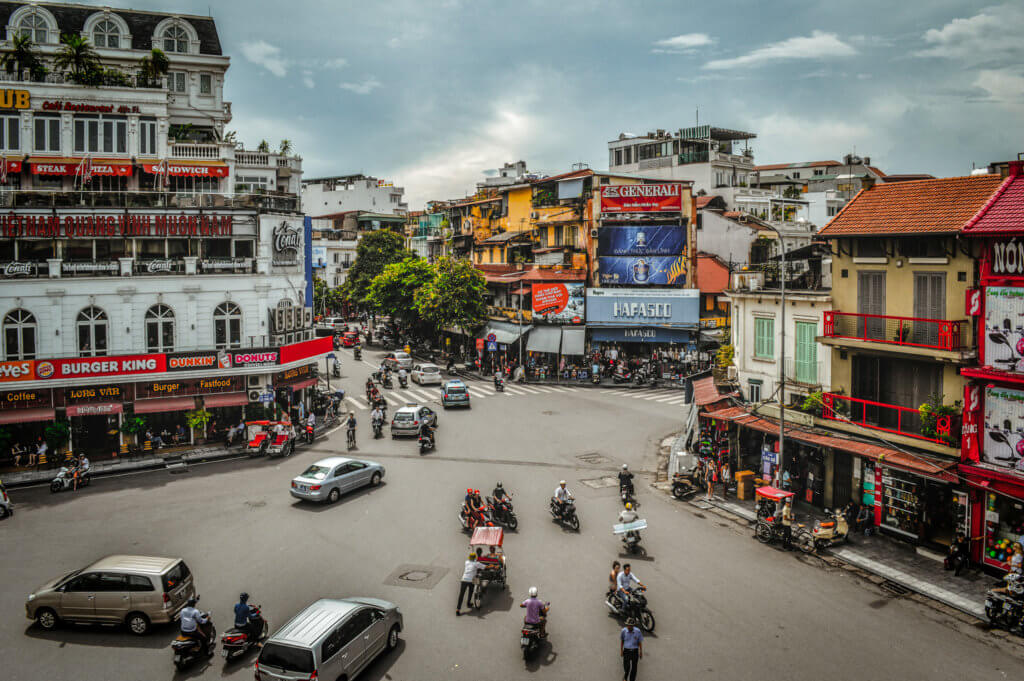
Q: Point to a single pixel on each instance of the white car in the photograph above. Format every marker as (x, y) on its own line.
(426, 374)
(398, 360)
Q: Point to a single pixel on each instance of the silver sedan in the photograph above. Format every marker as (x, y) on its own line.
(327, 479)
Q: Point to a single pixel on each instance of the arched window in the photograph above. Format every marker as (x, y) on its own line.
(175, 39)
(92, 332)
(227, 326)
(19, 335)
(35, 27)
(160, 329)
(107, 34)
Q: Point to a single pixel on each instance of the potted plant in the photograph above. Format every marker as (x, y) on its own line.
(56, 435)
(132, 426)
(197, 420)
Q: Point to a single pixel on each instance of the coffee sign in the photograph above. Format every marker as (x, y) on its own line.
(25, 399)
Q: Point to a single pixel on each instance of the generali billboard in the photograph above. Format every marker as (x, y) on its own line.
(642, 198)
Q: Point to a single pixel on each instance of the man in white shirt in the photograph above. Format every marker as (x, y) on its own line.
(466, 585)
(625, 582)
(562, 495)
(192, 622)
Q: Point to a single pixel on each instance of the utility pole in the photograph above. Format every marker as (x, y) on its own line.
(782, 351)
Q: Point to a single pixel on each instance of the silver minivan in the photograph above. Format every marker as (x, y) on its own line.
(330, 639)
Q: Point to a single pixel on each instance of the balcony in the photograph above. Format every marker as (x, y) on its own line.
(804, 373)
(195, 152)
(890, 418)
(907, 335)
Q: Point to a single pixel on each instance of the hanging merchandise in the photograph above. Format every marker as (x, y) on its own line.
(901, 510)
(1004, 525)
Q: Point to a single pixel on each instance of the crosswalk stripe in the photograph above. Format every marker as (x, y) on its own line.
(357, 403)
(677, 401)
(670, 398)
(530, 390)
(518, 390)
(420, 394)
(652, 397)
(542, 388)
(481, 389)
(478, 395)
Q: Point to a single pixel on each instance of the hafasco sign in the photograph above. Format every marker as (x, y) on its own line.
(21, 370)
(14, 99)
(641, 311)
(642, 198)
(101, 366)
(255, 358)
(1007, 258)
(629, 307)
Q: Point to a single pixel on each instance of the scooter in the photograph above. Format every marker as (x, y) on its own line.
(188, 650)
(386, 381)
(1005, 609)
(630, 533)
(451, 369)
(567, 515)
(503, 513)
(235, 642)
(825, 534)
(499, 384)
(66, 480)
(403, 381)
(309, 434)
(426, 444)
(626, 494)
(378, 427)
(635, 607)
(530, 638)
(6, 507)
(357, 353)
(682, 486)
(336, 370)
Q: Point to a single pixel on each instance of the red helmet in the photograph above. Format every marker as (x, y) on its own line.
(469, 491)
(476, 491)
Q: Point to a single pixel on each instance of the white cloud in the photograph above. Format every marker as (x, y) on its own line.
(307, 79)
(683, 44)
(266, 55)
(818, 45)
(336, 63)
(363, 87)
(1002, 85)
(978, 38)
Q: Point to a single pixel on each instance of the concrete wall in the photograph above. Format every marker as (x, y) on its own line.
(727, 239)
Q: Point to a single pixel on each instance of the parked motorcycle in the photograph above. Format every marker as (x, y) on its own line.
(426, 444)
(235, 642)
(66, 480)
(621, 375)
(635, 607)
(530, 638)
(188, 650)
(1005, 609)
(825, 534)
(503, 514)
(682, 485)
(566, 515)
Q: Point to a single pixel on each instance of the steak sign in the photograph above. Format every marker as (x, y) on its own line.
(642, 198)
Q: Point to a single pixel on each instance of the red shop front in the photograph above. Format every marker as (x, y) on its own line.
(992, 450)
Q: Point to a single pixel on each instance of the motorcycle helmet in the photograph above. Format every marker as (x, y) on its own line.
(629, 506)
(243, 597)
(192, 602)
(561, 482)
(533, 592)
(625, 466)
(469, 491)
(499, 484)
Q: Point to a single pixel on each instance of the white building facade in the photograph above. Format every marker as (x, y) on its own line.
(345, 193)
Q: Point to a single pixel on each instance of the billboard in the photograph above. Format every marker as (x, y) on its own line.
(638, 307)
(319, 256)
(641, 240)
(1004, 335)
(1004, 425)
(86, 367)
(558, 303)
(642, 198)
(642, 271)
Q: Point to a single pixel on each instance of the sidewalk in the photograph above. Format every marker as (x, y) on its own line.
(893, 560)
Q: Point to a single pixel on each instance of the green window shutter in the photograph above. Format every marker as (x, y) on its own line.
(764, 337)
(806, 353)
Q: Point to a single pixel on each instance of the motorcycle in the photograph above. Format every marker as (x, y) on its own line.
(357, 353)
(336, 370)
(825, 534)
(481, 519)
(386, 381)
(451, 369)
(566, 514)
(235, 642)
(621, 375)
(403, 381)
(1006, 609)
(635, 607)
(682, 486)
(188, 650)
(530, 638)
(627, 494)
(309, 434)
(66, 480)
(502, 513)
(499, 384)
(426, 444)
(378, 427)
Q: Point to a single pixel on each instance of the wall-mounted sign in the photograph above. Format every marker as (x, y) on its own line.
(96, 267)
(1006, 258)
(78, 226)
(558, 303)
(20, 269)
(1004, 333)
(14, 99)
(641, 240)
(100, 366)
(123, 169)
(642, 198)
(181, 170)
(25, 399)
(285, 318)
(94, 393)
(1003, 442)
(255, 358)
(626, 307)
(192, 361)
(972, 302)
(287, 241)
(84, 107)
(290, 376)
(17, 370)
(648, 270)
(319, 256)
(188, 387)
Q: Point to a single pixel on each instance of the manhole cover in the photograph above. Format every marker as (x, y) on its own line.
(416, 576)
(255, 504)
(603, 481)
(894, 588)
(593, 458)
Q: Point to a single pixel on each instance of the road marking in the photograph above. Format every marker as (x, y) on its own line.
(518, 391)
(357, 403)
(422, 394)
(479, 395)
(483, 389)
(530, 390)
(541, 389)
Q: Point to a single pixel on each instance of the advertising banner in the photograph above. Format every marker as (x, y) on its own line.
(25, 399)
(642, 198)
(319, 256)
(18, 370)
(637, 307)
(1004, 335)
(641, 240)
(306, 349)
(558, 303)
(191, 361)
(647, 270)
(256, 358)
(1003, 439)
(84, 367)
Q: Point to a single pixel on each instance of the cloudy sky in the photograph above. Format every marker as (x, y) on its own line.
(432, 93)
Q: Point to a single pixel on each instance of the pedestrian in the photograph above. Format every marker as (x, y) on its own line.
(786, 483)
(787, 524)
(712, 478)
(631, 649)
(726, 479)
(466, 585)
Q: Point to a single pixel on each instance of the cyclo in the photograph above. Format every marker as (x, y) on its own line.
(767, 530)
(260, 436)
(494, 571)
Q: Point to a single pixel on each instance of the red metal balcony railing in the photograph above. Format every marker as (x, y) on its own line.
(938, 334)
(891, 418)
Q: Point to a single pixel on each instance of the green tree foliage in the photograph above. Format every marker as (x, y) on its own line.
(153, 67)
(376, 251)
(22, 56)
(454, 297)
(78, 56)
(263, 147)
(326, 299)
(394, 291)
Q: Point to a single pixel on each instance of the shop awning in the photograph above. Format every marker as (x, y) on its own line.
(309, 382)
(98, 409)
(545, 339)
(187, 169)
(164, 404)
(12, 165)
(118, 167)
(26, 415)
(504, 332)
(573, 341)
(225, 400)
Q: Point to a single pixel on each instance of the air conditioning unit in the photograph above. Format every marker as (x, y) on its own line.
(730, 373)
(593, 233)
(534, 215)
(307, 317)
(255, 381)
(254, 395)
(277, 340)
(279, 320)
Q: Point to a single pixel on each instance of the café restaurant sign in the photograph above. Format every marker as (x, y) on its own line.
(84, 107)
(49, 226)
(642, 198)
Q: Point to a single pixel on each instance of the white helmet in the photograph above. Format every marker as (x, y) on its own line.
(533, 592)
(625, 466)
(561, 482)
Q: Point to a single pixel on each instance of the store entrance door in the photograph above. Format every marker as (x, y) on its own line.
(94, 435)
(842, 479)
(940, 508)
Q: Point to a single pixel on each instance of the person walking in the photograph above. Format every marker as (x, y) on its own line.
(466, 585)
(712, 478)
(726, 479)
(631, 649)
(787, 524)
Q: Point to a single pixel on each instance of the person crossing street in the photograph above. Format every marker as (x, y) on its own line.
(631, 649)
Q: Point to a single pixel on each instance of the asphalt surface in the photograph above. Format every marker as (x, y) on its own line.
(727, 608)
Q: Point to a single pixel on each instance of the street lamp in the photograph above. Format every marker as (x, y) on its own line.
(782, 348)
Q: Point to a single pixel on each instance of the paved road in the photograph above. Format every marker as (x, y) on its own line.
(727, 607)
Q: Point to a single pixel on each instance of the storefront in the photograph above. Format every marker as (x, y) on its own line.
(94, 413)
(294, 390)
(23, 416)
(640, 321)
(499, 342)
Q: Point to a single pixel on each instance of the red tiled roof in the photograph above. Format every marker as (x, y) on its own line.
(1004, 211)
(703, 201)
(565, 176)
(918, 463)
(712, 273)
(555, 275)
(705, 392)
(798, 164)
(732, 214)
(496, 269)
(919, 207)
(876, 171)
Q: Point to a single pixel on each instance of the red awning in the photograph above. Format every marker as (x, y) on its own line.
(26, 415)
(522, 291)
(100, 409)
(208, 169)
(75, 166)
(164, 404)
(12, 166)
(225, 400)
(305, 384)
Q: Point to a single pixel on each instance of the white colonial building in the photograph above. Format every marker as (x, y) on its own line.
(140, 274)
(347, 193)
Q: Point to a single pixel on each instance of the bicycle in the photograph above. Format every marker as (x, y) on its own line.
(351, 438)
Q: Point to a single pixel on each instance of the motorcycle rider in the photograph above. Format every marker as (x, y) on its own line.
(403, 377)
(499, 494)
(193, 623)
(427, 431)
(311, 425)
(562, 495)
(497, 378)
(628, 515)
(376, 417)
(245, 617)
(81, 469)
(467, 505)
(536, 611)
(625, 480)
(624, 584)
(370, 388)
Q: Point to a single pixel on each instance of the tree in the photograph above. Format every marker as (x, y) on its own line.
(154, 67)
(326, 299)
(77, 55)
(23, 55)
(375, 251)
(230, 136)
(454, 297)
(791, 192)
(285, 147)
(263, 147)
(393, 291)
